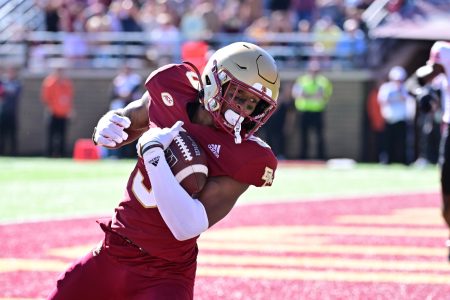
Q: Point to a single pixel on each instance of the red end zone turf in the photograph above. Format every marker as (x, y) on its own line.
(370, 248)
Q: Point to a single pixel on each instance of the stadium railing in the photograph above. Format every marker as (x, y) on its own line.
(39, 50)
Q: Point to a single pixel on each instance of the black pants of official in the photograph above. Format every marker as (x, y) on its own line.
(444, 159)
(311, 122)
(394, 143)
(444, 162)
(56, 139)
(8, 134)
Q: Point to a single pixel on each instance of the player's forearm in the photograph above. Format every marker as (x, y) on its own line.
(137, 112)
(185, 217)
(122, 126)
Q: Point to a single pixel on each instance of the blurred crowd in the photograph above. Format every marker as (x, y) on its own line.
(336, 25)
(196, 18)
(327, 27)
(156, 30)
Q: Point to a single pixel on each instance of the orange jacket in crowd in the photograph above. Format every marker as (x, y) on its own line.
(373, 110)
(57, 94)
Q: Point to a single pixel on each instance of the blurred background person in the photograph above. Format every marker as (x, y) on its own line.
(165, 39)
(125, 87)
(276, 128)
(311, 93)
(376, 124)
(352, 45)
(327, 34)
(9, 104)
(57, 94)
(439, 62)
(398, 111)
(429, 123)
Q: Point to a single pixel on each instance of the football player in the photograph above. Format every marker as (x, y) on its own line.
(439, 61)
(150, 249)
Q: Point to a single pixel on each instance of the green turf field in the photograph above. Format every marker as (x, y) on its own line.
(37, 188)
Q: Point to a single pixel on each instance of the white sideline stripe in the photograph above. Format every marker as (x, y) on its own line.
(190, 170)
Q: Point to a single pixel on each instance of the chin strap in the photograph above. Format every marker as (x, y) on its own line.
(237, 133)
(235, 119)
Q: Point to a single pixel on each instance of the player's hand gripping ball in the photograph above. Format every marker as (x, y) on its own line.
(188, 163)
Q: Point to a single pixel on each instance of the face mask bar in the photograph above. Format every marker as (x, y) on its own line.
(249, 124)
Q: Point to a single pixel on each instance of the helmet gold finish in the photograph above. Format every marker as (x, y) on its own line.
(245, 67)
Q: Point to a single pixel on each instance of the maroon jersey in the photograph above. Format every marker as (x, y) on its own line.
(137, 218)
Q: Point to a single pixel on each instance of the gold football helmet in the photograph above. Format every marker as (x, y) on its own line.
(240, 68)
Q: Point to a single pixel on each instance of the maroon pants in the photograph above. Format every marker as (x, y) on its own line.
(98, 275)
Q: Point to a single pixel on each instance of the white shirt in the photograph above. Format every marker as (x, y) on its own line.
(440, 53)
(395, 102)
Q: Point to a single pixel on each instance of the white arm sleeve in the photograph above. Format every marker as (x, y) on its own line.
(185, 217)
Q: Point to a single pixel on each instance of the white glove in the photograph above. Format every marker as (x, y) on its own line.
(158, 137)
(110, 130)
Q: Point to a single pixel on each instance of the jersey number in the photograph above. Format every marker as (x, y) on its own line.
(144, 195)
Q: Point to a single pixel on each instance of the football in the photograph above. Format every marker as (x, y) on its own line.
(188, 163)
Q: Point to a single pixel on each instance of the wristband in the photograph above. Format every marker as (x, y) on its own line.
(149, 146)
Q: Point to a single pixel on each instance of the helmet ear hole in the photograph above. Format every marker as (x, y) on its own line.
(208, 81)
(225, 87)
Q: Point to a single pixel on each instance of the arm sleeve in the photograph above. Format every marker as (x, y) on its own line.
(185, 217)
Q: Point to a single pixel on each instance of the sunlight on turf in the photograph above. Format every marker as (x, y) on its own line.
(296, 231)
(321, 262)
(423, 216)
(63, 187)
(328, 275)
(297, 252)
(19, 298)
(57, 188)
(366, 249)
(20, 264)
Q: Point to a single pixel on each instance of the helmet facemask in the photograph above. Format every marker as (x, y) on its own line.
(226, 112)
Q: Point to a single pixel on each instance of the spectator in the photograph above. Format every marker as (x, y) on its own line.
(229, 20)
(312, 92)
(334, 10)
(352, 47)
(166, 39)
(307, 44)
(275, 131)
(328, 34)
(275, 5)
(51, 14)
(376, 125)
(129, 16)
(279, 22)
(304, 10)
(211, 16)
(57, 94)
(126, 87)
(398, 110)
(9, 103)
(193, 26)
(258, 29)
